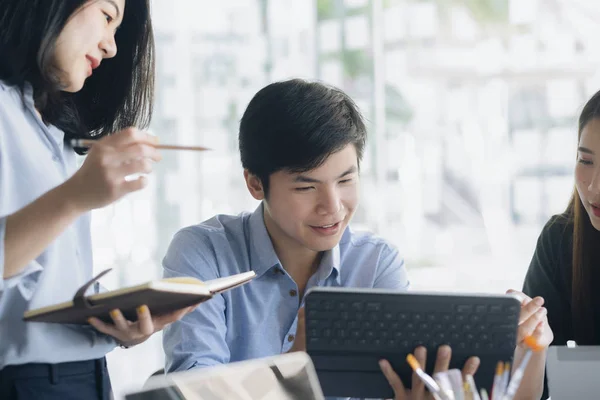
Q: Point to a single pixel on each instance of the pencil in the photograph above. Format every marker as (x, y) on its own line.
(504, 380)
(429, 382)
(515, 381)
(484, 394)
(497, 381)
(87, 143)
(469, 378)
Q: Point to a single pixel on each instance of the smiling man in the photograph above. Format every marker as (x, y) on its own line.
(301, 144)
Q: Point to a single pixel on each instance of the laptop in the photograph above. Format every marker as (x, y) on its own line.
(573, 372)
(283, 377)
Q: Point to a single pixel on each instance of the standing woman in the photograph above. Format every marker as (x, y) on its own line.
(61, 77)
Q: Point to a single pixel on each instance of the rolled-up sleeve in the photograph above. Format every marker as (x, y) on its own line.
(198, 339)
(24, 280)
(2, 235)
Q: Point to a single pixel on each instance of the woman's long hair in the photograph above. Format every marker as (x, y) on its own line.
(119, 93)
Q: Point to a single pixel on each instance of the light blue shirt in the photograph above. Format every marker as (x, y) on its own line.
(259, 318)
(34, 160)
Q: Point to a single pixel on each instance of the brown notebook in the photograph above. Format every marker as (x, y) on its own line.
(161, 296)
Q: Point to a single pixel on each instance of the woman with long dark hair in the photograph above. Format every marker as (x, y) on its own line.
(68, 69)
(565, 267)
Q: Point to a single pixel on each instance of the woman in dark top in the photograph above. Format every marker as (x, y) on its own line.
(566, 265)
(565, 268)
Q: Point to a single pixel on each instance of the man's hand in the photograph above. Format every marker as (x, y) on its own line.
(418, 391)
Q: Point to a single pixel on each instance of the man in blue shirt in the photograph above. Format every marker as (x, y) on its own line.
(301, 145)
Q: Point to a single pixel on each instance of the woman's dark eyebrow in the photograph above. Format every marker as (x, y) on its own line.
(585, 150)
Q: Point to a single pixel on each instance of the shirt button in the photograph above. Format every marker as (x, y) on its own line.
(293, 293)
(55, 158)
(291, 338)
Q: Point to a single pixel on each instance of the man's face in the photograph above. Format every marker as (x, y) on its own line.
(312, 209)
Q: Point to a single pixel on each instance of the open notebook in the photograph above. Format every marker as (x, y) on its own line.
(161, 296)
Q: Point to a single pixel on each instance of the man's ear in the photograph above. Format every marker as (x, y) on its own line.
(254, 185)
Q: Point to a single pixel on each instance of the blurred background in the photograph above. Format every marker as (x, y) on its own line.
(471, 105)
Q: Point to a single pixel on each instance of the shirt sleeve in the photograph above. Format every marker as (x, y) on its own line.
(391, 271)
(198, 339)
(26, 279)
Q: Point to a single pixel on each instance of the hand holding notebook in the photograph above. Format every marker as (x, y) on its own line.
(161, 297)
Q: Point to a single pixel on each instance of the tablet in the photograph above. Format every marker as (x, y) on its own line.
(349, 330)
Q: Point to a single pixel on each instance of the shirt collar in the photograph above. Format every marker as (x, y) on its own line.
(263, 256)
(262, 253)
(330, 264)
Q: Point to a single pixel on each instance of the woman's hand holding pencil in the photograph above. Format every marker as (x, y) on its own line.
(534, 332)
(101, 179)
(533, 321)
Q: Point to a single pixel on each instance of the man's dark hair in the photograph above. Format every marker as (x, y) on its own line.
(295, 126)
(119, 93)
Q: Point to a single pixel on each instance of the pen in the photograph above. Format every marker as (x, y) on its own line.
(427, 380)
(443, 381)
(504, 380)
(497, 381)
(87, 143)
(484, 394)
(520, 371)
(473, 387)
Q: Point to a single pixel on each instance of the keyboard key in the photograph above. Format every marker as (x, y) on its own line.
(403, 316)
(481, 309)
(497, 319)
(464, 309)
(313, 323)
(339, 324)
(341, 333)
(495, 309)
